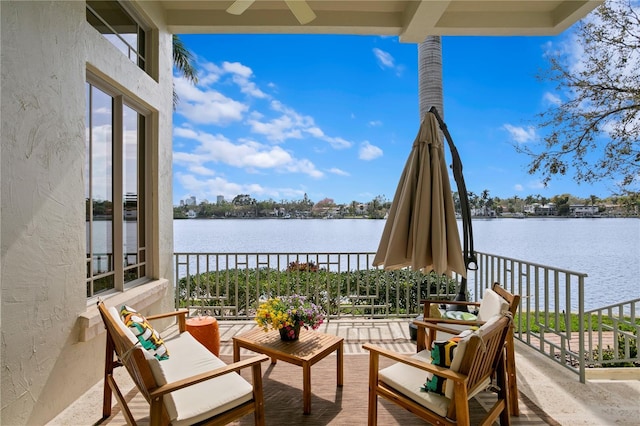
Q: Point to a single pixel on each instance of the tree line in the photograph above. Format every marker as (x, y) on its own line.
(246, 206)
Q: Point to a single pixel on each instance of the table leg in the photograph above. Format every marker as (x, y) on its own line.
(236, 351)
(306, 388)
(340, 356)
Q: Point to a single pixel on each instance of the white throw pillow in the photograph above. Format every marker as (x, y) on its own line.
(492, 304)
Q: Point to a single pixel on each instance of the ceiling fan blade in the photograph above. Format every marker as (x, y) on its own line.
(301, 11)
(239, 6)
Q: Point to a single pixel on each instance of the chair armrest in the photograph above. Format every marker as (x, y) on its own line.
(425, 338)
(408, 360)
(432, 322)
(180, 313)
(231, 368)
(449, 302)
(427, 304)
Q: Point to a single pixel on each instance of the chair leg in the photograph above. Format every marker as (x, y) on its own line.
(108, 371)
(420, 339)
(258, 396)
(511, 374)
(155, 412)
(373, 394)
(461, 401)
(504, 392)
(123, 403)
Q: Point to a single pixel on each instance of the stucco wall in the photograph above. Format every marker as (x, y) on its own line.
(46, 49)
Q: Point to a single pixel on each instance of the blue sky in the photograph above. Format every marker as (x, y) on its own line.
(278, 116)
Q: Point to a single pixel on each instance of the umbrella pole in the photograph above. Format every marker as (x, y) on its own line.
(460, 297)
(470, 260)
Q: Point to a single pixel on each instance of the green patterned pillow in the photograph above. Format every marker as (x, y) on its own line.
(149, 338)
(441, 355)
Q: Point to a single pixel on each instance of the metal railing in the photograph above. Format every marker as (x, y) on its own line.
(551, 317)
(615, 325)
(231, 285)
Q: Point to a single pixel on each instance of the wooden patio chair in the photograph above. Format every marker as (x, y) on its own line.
(433, 327)
(479, 357)
(191, 386)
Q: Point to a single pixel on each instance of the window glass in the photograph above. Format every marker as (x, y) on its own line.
(100, 187)
(132, 182)
(119, 27)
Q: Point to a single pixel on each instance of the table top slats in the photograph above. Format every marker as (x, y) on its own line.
(309, 346)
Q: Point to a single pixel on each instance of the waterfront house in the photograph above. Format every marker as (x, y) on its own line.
(537, 209)
(580, 210)
(80, 80)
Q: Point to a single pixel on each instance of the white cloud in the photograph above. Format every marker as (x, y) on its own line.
(337, 142)
(241, 75)
(210, 188)
(291, 125)
(249, 155)
(385, 60)
(536, 184)
(518, 187)
(202, 104)
(201, 170)
(375, 123)
(208, 74)
(237, 68)
(277, 130)
(339, 172)
(305, 166)
(521, 134)
(206, 106)
(552, 98)
(369, 152)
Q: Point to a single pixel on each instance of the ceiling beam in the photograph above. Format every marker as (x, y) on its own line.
(420, 17)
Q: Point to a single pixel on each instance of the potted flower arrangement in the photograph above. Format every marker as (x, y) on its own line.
(288, 314)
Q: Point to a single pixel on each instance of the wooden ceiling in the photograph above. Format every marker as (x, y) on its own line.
(411, 20)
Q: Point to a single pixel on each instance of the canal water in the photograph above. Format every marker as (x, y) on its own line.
(606, 249)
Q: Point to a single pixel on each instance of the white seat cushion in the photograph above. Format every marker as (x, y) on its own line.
(203, 400)
(408, 380)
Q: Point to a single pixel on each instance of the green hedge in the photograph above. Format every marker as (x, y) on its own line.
(398, 291)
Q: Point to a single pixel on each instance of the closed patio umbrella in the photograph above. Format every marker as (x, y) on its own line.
(421, 230)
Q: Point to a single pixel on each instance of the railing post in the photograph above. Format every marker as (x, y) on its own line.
(581, 329)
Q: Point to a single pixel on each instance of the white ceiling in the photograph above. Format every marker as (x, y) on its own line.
(411, 20)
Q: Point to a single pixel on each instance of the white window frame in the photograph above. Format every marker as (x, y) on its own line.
(119, 101)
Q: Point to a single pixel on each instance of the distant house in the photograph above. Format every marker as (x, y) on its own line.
(537, 209)
(483, 212)
(580, 210)
(191, 214)
(361, 208)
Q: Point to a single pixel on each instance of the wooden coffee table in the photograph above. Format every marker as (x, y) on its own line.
(311, 347)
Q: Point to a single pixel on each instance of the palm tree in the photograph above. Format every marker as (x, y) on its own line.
(430, 75)
(182, 60)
